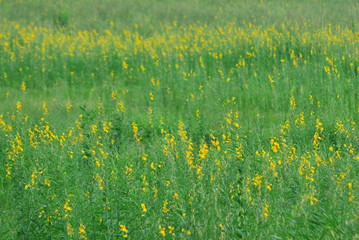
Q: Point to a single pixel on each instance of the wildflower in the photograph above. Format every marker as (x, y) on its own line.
(68, 106)
(165, 209)
(162, 230)
(292, 103)
(221, 226)
(123, 228)
(47, 182)
(82, 229)
(23, 86)
(18, 106)
(70, 230)
(93, 129)
(144, 209)
(67, 207)
(266, 212)
(135, 131)
(203, 151)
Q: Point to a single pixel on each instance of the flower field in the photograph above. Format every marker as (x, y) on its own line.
(218, 124)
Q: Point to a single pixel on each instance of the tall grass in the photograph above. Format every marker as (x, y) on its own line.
(167, 119)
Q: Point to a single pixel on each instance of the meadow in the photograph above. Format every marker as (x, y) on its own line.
(179, 119)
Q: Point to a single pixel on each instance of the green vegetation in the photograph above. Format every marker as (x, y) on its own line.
(179, 119)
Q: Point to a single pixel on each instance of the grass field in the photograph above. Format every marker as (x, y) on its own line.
(179, 119)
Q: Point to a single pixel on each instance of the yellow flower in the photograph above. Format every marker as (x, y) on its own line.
(144, 209)
(123, 228)
(221, 226)
(162, 231)
(23, 86)
(94, 128)
(18, 106)
(82, 229)
(70, 229)
(47, 183)
(68, 106)
(67, 207)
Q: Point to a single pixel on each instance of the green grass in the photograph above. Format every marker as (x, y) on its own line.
(179, 119)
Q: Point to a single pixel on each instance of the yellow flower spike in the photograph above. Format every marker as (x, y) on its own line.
(162, 231)
(82, 229)
(175, 196)
(221, 226)
(68, 106)
(70, 230)
(123, 228)
(292, 103)
(47, 182)
(67, 207)
(165, 209)
(18, 106)
(23, 86)
(144, 209)
(135, 131)
(266, 212)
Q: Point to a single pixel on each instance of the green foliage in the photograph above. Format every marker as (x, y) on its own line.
(179, 119)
